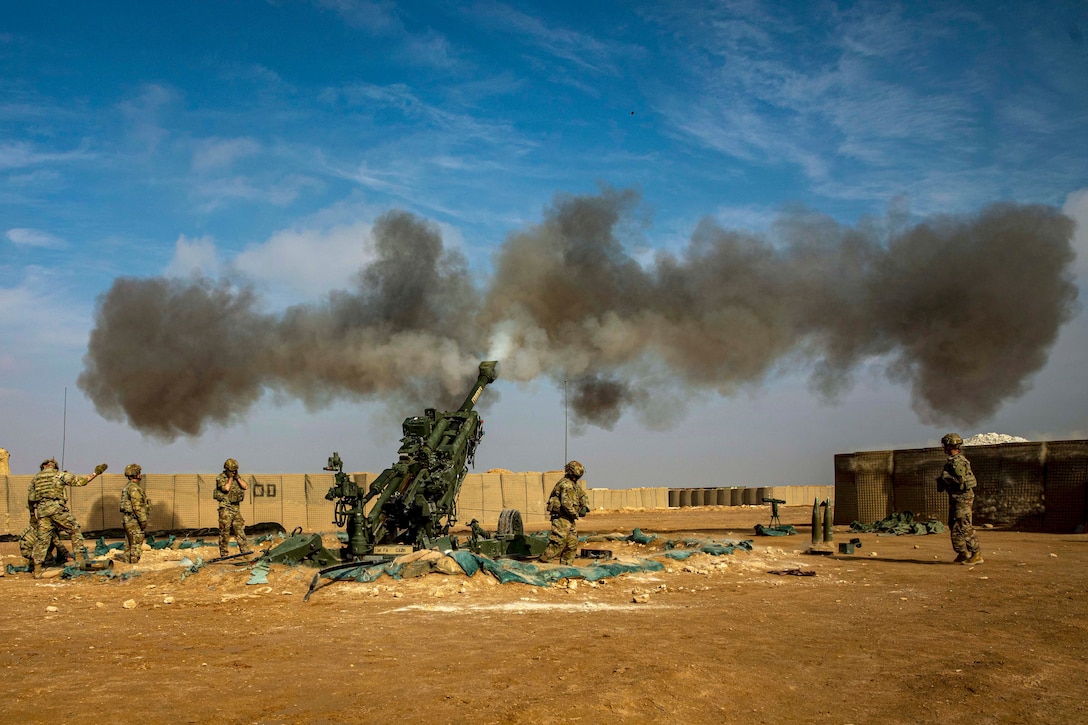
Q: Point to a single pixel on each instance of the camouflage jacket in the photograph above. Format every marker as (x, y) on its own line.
(956, 476)
(134, 500)
(568, 500)
(49, 486)
(228, 497)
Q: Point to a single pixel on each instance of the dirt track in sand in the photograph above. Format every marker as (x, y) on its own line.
(894, 633)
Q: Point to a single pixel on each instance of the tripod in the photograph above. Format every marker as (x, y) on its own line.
(775, 521)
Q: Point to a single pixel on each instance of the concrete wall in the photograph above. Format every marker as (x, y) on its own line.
(1039, 486)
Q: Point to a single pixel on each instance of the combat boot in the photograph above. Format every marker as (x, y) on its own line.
(975, 558)
(960, 557)
(36, 570)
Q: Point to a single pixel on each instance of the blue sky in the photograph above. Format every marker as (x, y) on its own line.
(260, 141)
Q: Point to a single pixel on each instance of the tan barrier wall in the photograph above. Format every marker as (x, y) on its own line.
(1030, 485)
(185, 501)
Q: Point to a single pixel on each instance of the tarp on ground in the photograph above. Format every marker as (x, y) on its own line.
(505, 570)
(780, 530)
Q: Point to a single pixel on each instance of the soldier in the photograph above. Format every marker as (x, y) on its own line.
(135, 510)
(48, 502)
(567, 503)
(30, 537)
(959, 482)
(230, 491)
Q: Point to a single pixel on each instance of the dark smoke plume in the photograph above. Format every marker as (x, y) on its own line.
(963, 309)
(170, 356)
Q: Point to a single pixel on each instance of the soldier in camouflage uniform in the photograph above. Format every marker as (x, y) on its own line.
(959, 482)
(30, 538)
(568, 502)
(134, 512)
(49, 504)
(55, 554)
(230, 491)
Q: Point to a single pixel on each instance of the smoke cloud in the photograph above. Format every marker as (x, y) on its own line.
(962, 309)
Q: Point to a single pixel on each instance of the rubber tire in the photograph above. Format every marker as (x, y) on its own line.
(510, 523)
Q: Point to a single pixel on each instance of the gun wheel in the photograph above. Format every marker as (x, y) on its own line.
(510, 523)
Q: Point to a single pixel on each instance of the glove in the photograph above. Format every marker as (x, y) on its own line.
(101, 468)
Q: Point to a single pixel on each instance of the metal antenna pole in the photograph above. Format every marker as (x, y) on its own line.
(565, 458)
(64, 428)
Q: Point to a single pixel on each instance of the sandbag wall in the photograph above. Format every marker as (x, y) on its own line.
(1042, 486)
(184, 501)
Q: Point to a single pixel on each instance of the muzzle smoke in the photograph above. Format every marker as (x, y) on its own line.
(962, 309)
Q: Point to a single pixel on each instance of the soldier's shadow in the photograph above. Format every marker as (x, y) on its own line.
(105, 519)
(925, 562)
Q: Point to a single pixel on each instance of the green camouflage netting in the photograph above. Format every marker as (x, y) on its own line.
(899, 524)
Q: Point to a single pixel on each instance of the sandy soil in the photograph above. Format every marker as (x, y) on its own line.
(895, 633)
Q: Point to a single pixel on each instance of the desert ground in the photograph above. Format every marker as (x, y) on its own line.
(894, 633)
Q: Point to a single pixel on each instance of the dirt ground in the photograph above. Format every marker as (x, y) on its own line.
(894, 633)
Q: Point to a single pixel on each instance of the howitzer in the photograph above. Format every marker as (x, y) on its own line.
(413, 503)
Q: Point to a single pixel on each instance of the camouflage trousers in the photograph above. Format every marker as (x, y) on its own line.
(134, 537)
(562, 541)
(960, 527)
(30, 538)
(54, 519)
(231, 523)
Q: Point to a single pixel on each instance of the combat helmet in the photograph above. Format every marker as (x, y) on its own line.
(230, 465)
(49, 462)
(133, 470)
(575, 470)
(952, 440)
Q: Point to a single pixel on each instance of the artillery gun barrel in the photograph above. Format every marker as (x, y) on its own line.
(488, 373)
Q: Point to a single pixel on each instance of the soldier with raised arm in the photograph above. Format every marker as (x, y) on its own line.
(230, 491)
(48, 501)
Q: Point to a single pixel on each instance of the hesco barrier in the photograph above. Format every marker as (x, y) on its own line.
(1041, 486)
(184, 500)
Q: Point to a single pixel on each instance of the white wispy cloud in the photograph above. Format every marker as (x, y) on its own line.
(291, 266)
(375, 16)
(458, 123)
(20, 154)
(38, 313)
(588, 52)
(194, 257)
(215, 193)
(423, 47)
(219, 153)
(296, 264)
(880, 101)
(34, 238)
(144, 115)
